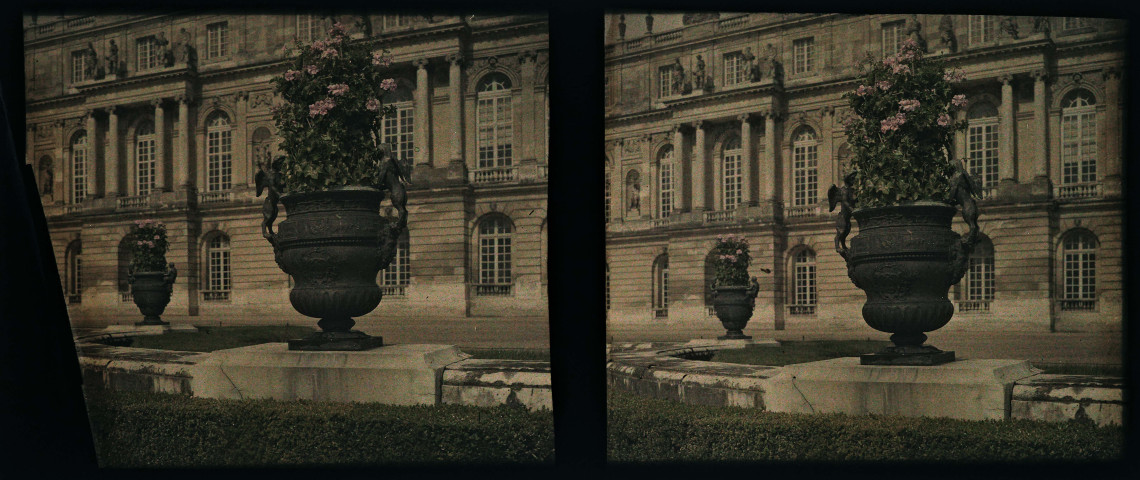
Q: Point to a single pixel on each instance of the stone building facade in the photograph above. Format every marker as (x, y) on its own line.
(168, 116)
(732, 123)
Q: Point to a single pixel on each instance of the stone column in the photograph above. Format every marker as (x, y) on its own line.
(1113, 137)
(770, 171)
(111, 162)
(525, 141)
(699, 165)
(241, 160)
(1007, 166)
(826, 167)
(30, 146)
(746, 197)
(91, 155)
(422, 122)
(1041, 122)
(182, 159)
(678, 169)
(455, 95)
(159, 146)
(650, 207)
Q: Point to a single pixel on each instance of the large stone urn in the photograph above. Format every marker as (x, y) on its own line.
(734, 308)
(151, 293)
(333, 243)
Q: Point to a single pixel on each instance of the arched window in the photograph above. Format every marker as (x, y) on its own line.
(978, 285)
(219, 152)
(74, 273)
(495, 256)
(126, 253)
(399, 127)
(661, 286)
(1078, 143)
(805, 173)
(803, 283)
(144, 158)
(731, 178)
(218, 274)
(398, 275)
(494, 121)
(665, 182)
(982, 146)
(1078, 271)
(79, 167)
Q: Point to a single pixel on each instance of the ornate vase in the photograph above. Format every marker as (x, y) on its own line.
(151, 293)
(906, 258)
(333, 243)
(734, 308)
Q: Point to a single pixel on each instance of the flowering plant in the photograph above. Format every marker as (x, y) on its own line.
(730, 260)
(903, 128)
(330, 122)
(149, 247)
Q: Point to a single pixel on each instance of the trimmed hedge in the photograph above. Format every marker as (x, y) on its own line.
(158, 430)
(642, 429)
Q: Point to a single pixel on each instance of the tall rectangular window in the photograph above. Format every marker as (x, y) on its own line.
(666, 207)
(495, 133)
(79, 66)
(803, 55)
(219, 148)
(217, 40)
(982, 151)
(735, 71)
(146, 53)
(982, 28)
(609, 179)
(305, 28)
(805, 176)
(1078, 145)
(145, 163)
(79, 168)
(892, 37)
(495, 252)
(397, 130)
(732, 175)
(398, 274)
(665, 81)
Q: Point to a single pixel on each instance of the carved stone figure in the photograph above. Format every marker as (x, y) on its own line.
(1041, 25)
(90, 59)
(1009, 27)
(621, 27)
(269, 178)
(750, 65)
(691, 18)
(633, 192)
(47, 173)
(772, 63)
(163, 47)
(392, 179)
(842, 196)
(649, 24)
(946, 31)
(914, 32)
(112, 59)
(699, 75)
(184, 51)
(678, 77)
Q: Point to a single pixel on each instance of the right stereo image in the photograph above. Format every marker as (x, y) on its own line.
(892, 237)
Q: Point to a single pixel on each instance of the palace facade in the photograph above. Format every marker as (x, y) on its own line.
(732, 123)
(168, 117)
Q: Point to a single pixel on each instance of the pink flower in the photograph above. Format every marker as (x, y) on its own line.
(388, 84)
(320, 45)
(943, 120)
(329, 53)
(862, 90)
(892, 123)
(883, 85)
(909, 105)
(321, 107)
(291, 75)
(899, 68)
(959, 100)
(954, 76)
(381, 59)
(156, 237)
(338, 89)
(337, 30)
(372, 104)
(312, 69)
(738, 252)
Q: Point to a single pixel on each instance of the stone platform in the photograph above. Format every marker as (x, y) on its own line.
(395, 374)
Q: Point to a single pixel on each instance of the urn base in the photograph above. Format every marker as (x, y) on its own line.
(151, 320)
(351, 341)
(924, 355)
(734, 335)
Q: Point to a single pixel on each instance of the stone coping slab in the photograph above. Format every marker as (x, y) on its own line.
(146, 330)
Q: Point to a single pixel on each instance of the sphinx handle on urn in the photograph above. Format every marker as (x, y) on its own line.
(963, 190)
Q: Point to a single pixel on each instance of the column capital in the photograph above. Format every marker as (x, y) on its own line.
(455, 59)
(827, 110)
(527, 54)
(157, 102)
(1039, 74)
(240, 96)
(675, 129)
(184, 99)
(88, 114)
(1111, 73)
(699, 124)
(110, 110)
(1005, 79)
(420, 63)
(744, 117)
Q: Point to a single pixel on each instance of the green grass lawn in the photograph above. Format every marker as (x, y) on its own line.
(219, 338)
(651, 430)
(790, 352)
(160, 430)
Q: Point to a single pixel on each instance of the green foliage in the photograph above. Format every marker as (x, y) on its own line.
(160, 430)
(331, 119)
(730, 260)
(148, 250)
(790, 352)
(902, 129)
(642, 429)
(219, 338)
